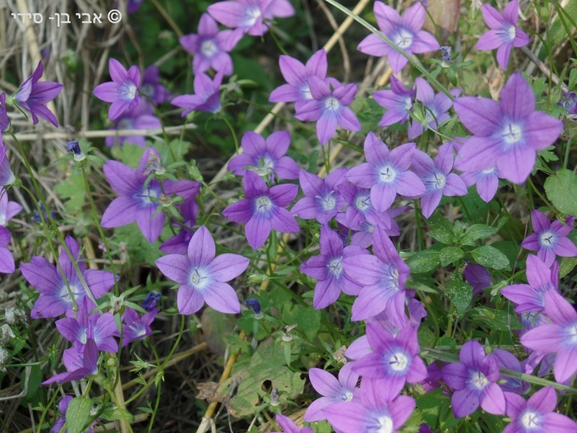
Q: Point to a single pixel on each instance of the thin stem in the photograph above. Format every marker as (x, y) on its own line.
(231, 131)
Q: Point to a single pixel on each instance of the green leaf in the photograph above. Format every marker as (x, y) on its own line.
(128, 154)
(424, 261)
(460, 293)
(572, 78)
(442, 228)
(561, 189)
(490, 257)
(567, 265)
(476, 232)
(496, 319)
(73, 190)
(309, 321)
(78, 414)
(450, 255)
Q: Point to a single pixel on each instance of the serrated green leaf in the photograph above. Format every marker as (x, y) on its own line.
(78, 414)
(460, 293)
(450, 255)
(561, 189)
(490, 257)
(72, 191)
(424, 261)
(476, 232)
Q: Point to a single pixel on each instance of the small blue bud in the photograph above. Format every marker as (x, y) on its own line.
(255, 305)
(73, 146)
(150, 301)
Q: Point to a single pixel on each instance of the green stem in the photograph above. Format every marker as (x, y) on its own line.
(231, 131)
(549, 205)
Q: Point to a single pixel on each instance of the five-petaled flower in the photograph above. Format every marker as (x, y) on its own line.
(122, 91)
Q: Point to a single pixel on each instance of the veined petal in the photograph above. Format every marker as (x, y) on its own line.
(175, 267)
(189, 300)
(481, 116)
(222, 297)
(225, 267)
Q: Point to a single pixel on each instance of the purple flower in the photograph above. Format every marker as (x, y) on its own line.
(550, 238)
(398, 101)
(206, 97)
(404, 32)
(478, 277)
(6, 175)
(437, 177)
(569, 102)
(34, 95)
(297, 77)
(266, 157)
(329, 269)
(556, 337)
(178, 244)
(263, 209)
(531, 297)
(86, 363)
(329, 108)
(487, 182)
(386, 173)
(244, 15)
(333, 391)
(122, 91)
(150, 301)
(383, 278)
(279, 8)
(436, 107)
(360, 208)
(474, 382)
(55, 292)
(202, 276)
(138, 199)
(98, 327)
(7, 208)
(4, 120)
(137, 118)
(322, 200)
(507, 135)
(135, 327)
(394, 361)
(210, 47)
(508, 384)
(289, 426)
(379, 411)
(537, 414)
(152, 88)
(6, 259)
(504, 32)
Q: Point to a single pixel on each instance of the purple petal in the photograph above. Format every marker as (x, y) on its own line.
(175, 267)
(222, 297)
(120, 212)
(555, 422)
(493, 400)
(326, 127)
(465, 402)
(292, 70)
(424, 42)
(373, 45)
(517, 98)
(503, 53)
(481, 116)
(492, 17)
(189, 300)
(257, 231)
(283, 195)
(201, 248)
(240, 212)
(325, 383)
(284, 222)
(489, 41)
(542, 130)
(227, 266)
(414, 17)
(478, 153)
(545, 338)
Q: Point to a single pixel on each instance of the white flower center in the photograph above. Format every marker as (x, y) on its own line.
(148, 89)
(488, 171)
(306, 91)
(263, 204)
(147, 194)
(327, 202)
(336, 266)
(478, 380)
(440, 180)
(387, 174)
(404, 39)
(198, 278)
(347, 396)
(512, 133)
(129, 91)
(385, 424)
(547, 239)
(363, 202)
(530, 420)
(572, 333)
(332, 103)
(2, 219)
(398, 362)
(250, 15)
(65, 294)
(408, 103)
(208, 48)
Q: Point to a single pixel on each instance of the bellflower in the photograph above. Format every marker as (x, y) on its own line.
(122, 91)
(151, 299)
(478, 277)
(289, 426)
(378, 411)
(322, 199)
(7, 208)
(569, 102)
(436, 107)
(152, 88)
(398, 101)
(556, 337)
(329, 108)
(507, 135)
(437, 177)
(202, 276)
(135, 327)
(138, 117)
(329, 269)
(405, 32)
(394, 361)
(85, 364)
(210, 46)
(362, 235)
(6, 175)
(6, 259)
(55, 296)
(266, 157)
(473, 381)
(383, 277)
(178, 244)
(386, 173)
(33, 96)
(508, 384)
(263, 209)
(332, 390)
(246, 16)
(206, 97)
(504, 33)
(487, 182)
(537, 414)
(136, 197)
(297, 77)
(550, 238)
(360, 208)
(531, 297)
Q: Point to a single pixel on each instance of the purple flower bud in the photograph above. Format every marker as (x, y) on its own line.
(73, 146)
(150, 301)
(446, 53)
(255, 305)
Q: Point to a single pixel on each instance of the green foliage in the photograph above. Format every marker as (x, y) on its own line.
(78, 414)
(561, 189)
(73, 192)
(490, 257)
(424, 261)
(460, 293)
